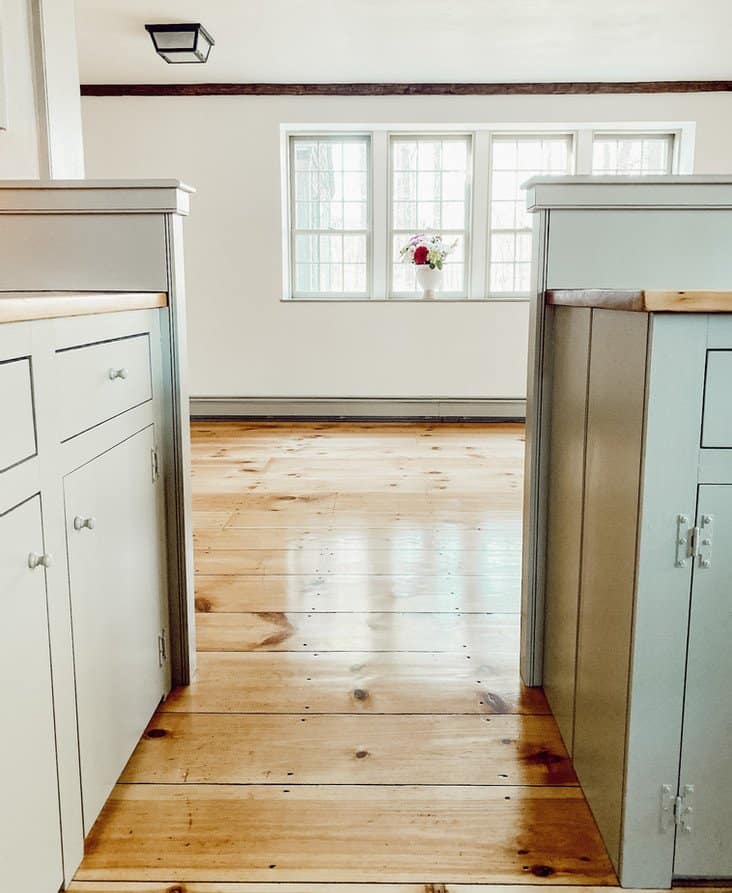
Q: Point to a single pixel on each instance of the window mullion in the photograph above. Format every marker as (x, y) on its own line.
(480, 212)
(380, 217)
(583, 152)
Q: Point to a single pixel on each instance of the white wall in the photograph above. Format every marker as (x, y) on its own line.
(40, 109)
(244, 341)
(19, 149)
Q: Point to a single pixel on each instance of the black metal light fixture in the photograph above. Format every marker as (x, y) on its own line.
(181, 43)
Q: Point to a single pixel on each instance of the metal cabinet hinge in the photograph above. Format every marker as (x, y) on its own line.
(155, 463)
(682, 540)
(694, 542)
(162, 648)
(677, 809)
(702, 541)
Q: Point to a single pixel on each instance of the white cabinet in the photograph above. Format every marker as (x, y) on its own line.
(100, 381)
(117, 577)
(116, 573)
(18, 441)
(84, 643)
(30, 836)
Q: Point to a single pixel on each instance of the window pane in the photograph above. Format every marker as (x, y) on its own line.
(330, 217)
(429, 179)
(514, 159)
(632, 154)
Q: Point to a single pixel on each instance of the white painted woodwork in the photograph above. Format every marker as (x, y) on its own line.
(116, 570)
(30, 835)
(18, 441)
(99, 381)
(57, 89)
(717, 420)
(706, 849)
(94, 236)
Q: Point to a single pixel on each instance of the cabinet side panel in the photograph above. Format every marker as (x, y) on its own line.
(571, 347)
(615, 414)
(537, 428)
(82, 252)
(673, 420)
(640, 248)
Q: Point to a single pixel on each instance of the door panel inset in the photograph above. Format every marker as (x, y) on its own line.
(704, 836)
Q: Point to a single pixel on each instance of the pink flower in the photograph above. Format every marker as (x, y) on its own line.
(421, 253)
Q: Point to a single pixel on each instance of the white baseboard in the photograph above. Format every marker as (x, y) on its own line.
(358, 408)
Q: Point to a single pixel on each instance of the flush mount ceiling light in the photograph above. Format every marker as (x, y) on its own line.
(181, 43)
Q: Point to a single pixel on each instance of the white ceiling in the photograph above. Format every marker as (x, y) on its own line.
(414, 40)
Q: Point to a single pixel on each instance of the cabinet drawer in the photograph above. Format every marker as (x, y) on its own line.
(18, 440)
(100, 381)
(717, 420)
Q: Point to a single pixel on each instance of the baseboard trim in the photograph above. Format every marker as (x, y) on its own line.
(357, 408)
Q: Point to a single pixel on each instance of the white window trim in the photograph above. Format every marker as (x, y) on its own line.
(467, 222)
(477, 265)
(573, 137)
(292, 227)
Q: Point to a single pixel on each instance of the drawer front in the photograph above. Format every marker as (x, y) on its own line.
(100, 381)
(18, 440)
(717, 421)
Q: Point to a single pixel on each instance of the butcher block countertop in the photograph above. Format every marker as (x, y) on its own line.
(643, 300)
(22, 306)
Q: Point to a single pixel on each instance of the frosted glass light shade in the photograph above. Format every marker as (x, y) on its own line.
(178, 43)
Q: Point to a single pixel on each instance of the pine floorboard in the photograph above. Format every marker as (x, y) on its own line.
(357, 722)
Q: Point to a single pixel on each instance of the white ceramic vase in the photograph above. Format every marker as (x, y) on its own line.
(429, 280)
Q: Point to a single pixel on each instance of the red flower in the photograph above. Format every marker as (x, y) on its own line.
(420, 254)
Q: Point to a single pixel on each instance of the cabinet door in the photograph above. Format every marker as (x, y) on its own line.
(30, 836)
(704, 837)
(117, 579)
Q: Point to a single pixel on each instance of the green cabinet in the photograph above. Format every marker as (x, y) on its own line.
(638, 594)
(704, 836)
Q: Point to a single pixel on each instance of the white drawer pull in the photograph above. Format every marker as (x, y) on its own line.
(80, 523)
(36, 560)
(118, 373)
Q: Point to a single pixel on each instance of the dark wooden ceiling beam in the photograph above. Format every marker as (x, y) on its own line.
(441, 89)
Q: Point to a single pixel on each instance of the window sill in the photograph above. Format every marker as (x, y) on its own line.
(492, 299)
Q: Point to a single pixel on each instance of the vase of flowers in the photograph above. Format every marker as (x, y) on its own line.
(427, 252)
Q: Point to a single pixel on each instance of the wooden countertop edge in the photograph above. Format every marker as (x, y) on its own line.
(643, 300)
(21, 307)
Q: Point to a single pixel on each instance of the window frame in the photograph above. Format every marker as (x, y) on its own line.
(671, 136)
(573, 138)
(478, 200)
(293, 231)
(467, 231)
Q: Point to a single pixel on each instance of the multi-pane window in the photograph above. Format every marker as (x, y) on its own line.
(430, 179)
(514, 159)
(355, 197)
(618, 153)
(330, 215)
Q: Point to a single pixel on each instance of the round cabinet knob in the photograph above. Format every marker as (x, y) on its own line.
(35, 560)
(80, 523)
(118, 373)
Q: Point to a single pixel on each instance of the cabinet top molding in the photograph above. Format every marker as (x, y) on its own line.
(643, 300)
(94, 196)
(643, 192)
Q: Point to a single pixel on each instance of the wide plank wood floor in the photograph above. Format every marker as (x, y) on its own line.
(358, 721)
